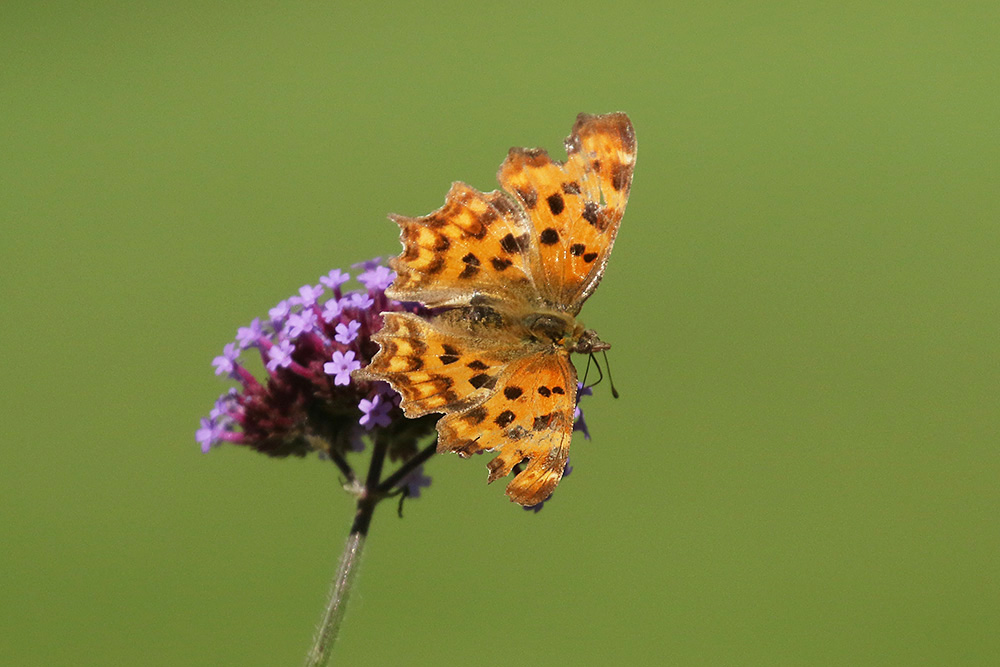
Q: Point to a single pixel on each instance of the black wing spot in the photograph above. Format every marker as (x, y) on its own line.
(620, 175)
(577, 249)
(556, 203)
(544, 391)
(475, 415)
(590, 213)
(549, 236)
(435, 266)
(471, 260)
(447, 358)
(501, 264)
(512, 244)
(558, 390)
(590, 257)
(481, 380)
(571, 188)
(512, 392)
(504, 418)
(477, 365)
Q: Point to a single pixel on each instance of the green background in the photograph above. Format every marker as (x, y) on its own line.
(804, 304)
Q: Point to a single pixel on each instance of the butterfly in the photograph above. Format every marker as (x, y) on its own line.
(503, 275)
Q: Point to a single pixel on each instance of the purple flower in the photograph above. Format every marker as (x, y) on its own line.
(579, 424)
(368, 264)
(377, 278)
(278, 314)
(225, 364)
(335, 279)
(415, 481)
(374, 412)
(332, 310)
(210, 434)
(341, 367)
(360, 301)
(300, 323)
(249, 336)
(346, 333)
(308, 294)
(225, 405)
(280, 355)
(308, 401)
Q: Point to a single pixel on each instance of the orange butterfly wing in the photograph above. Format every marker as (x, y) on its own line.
(575, 207)
(496, 397)
(475, 244)
(490, 263)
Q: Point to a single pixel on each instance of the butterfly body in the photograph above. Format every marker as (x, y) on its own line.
(504, 275)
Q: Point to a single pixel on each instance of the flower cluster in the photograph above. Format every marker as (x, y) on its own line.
(308, 346)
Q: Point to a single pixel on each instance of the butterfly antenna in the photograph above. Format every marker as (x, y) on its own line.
(586, 371)
(614, 392)
(600, 373)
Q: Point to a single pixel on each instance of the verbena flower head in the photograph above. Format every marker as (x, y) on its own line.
(303, 398)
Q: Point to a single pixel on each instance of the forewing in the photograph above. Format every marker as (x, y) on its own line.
(474, 244)
(575, 207)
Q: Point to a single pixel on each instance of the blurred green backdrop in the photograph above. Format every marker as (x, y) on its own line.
(804, 304)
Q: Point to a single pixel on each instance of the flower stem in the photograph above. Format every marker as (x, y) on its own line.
(347, 570)
(340, 589)
(415, 461)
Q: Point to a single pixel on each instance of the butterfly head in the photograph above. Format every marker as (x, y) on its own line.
(564, 332)
(588, 342)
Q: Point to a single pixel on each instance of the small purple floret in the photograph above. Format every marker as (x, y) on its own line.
(341, 367)
(359, 301)
(415, 481)
(278, 314)
(375, 412)
(332, 310)
(300, 323)
(225, 405)
(249, 336)
(579, 424)
(225, 364)
(308, 294)
(210, 434)
(377, 279)
(368, 264)
(335, 279)
(346, 333)
(280, 355)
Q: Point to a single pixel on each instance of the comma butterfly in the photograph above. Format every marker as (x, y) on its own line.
(504, 275)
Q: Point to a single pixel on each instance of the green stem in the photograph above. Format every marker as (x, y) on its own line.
(340, 588)
(347, 571)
